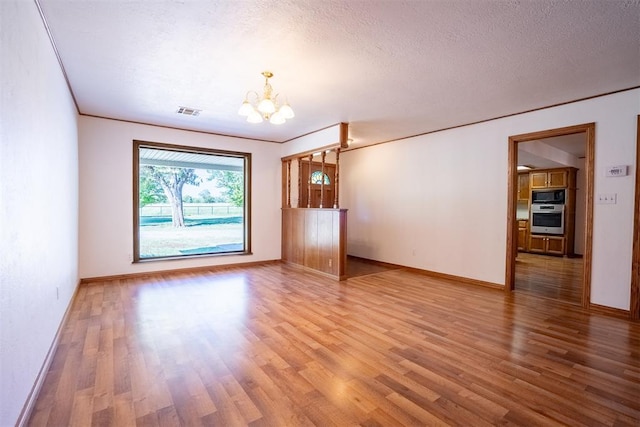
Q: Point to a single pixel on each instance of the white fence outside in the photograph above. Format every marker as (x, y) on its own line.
(193, 209)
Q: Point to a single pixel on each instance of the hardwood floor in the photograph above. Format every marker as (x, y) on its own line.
(271, 345)
(549, 276)
(357, 267)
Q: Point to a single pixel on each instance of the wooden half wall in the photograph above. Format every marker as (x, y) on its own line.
(316, 239)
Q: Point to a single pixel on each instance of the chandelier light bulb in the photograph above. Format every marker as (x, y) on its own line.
(286, 111)
(246, 108)
(254, 117)
(258, 108)
(266, 106)
(277, 118)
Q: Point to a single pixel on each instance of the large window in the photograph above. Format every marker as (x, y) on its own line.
(189, 201)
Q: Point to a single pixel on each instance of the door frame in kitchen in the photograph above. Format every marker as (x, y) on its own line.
(512, 223)
(634, 311)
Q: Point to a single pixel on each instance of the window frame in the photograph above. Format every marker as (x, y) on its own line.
(137, 145)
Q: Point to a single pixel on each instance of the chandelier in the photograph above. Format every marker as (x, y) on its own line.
(265, 107)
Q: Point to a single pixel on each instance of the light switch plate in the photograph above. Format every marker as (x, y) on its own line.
(607, 199)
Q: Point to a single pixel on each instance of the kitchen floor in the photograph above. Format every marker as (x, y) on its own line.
(559, 278)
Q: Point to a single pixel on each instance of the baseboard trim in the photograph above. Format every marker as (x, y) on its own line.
(375, 262)
(314, 271)
(434, 274)
(27, 409)
(459, 279)
(609, 311)
(89, 280)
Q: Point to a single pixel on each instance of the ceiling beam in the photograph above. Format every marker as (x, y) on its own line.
(546, 151)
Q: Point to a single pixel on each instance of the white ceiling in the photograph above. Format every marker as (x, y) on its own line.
(391, 68)
(574, 147)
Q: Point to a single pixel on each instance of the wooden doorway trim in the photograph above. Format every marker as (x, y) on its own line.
(634, 306)
(512, 224)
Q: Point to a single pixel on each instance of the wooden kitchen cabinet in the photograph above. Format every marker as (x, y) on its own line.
(523, 235)
(555, 245)
(523, 186)
(545, 244)
(555, 178)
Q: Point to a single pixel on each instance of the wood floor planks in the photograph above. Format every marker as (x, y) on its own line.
(550, 276)
(274, 346)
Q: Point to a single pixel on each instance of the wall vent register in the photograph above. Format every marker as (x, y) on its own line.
(186, 111)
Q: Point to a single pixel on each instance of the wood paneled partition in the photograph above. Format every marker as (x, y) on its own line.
(316, 239)
(314, 228)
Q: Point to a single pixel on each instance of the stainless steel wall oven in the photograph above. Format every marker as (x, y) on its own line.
(547, 219)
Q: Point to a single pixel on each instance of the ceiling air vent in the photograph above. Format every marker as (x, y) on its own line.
(188, 111)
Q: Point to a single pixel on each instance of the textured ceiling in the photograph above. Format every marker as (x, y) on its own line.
(389, 68)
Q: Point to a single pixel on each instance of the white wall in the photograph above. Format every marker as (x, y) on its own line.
(38, 202)
(313, 141)
(439, 202)
(106, 201)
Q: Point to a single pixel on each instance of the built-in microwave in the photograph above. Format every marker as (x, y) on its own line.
(548, 197)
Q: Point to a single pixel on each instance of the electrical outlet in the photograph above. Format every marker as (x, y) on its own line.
(607, 199)
(57, 292)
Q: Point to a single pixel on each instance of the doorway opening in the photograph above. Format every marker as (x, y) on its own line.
(550, 217)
